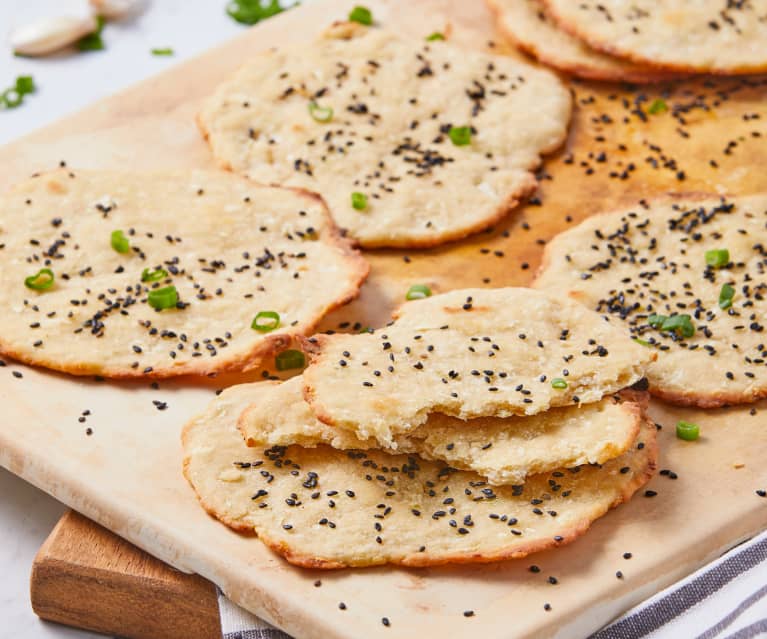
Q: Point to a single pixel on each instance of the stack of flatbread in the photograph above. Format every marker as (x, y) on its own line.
(640, 41)
(479, 425)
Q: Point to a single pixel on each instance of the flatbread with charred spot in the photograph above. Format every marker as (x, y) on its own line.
(527, 25)
(365, 111)
(650, 260)
(366, 508)
(469, 353)
(691, 36)
(505, 451)
(230, 248)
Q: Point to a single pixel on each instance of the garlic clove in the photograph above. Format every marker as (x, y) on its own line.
(50, 34)
(116, 9)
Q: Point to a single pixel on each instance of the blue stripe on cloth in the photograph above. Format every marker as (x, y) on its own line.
(756, 629)
(651, 617)
(744, 605)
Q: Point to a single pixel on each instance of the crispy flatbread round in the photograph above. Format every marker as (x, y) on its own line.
(229, 247)
(393, 104)
(469, 353)
(505, 451)
(651, 260)
(526, 24)
(325, 508)
(699, 36)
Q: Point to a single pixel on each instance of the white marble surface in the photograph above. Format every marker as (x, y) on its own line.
(67, 82)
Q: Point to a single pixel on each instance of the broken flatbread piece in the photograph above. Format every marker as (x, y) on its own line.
(469, 353)
(325, 508)
(677, 35)
(526, 24)
(139, 274)
(685, 276)
(505, 451)
(411, 143)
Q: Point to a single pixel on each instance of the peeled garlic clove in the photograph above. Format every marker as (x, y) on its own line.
(116, 9)
(51, 34)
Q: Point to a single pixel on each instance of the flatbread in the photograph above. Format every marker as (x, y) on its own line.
(526, 24)
(699, 36)
(325, 508)
(651, 259)
(505, 451)
(468, 353)
(393, 102)
(231, 249)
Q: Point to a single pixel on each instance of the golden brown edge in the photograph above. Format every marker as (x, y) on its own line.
(676, 397)
(617, 52)
(640, 74)
(510, 203)
(238, 362)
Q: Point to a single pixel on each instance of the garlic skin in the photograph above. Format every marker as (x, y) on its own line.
(50, 34)
(116, 9)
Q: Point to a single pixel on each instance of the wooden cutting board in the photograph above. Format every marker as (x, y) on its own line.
(127, 474)
(84, 576)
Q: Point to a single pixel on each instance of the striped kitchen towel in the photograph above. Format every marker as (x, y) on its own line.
(726, 599)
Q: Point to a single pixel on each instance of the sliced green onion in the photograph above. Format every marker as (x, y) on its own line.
(289, 359)
(460, 135)
(641, 341)
(253, 11)
(319, 113)
(25, 84)
(93, 41)
(362, 15)
(40, 281)
(435, 36)
(680, 324)
(14, 97)
(119, 242)
(166, 297)
(153, 276)
(658, 106)
(687, 431)
(717, 258)
(559, 383)
(161, 51)
(265, 321)
(418, 292)
(359, 201)
(11, 98)
(725, 296)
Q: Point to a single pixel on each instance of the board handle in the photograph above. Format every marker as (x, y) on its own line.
(85, 576)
